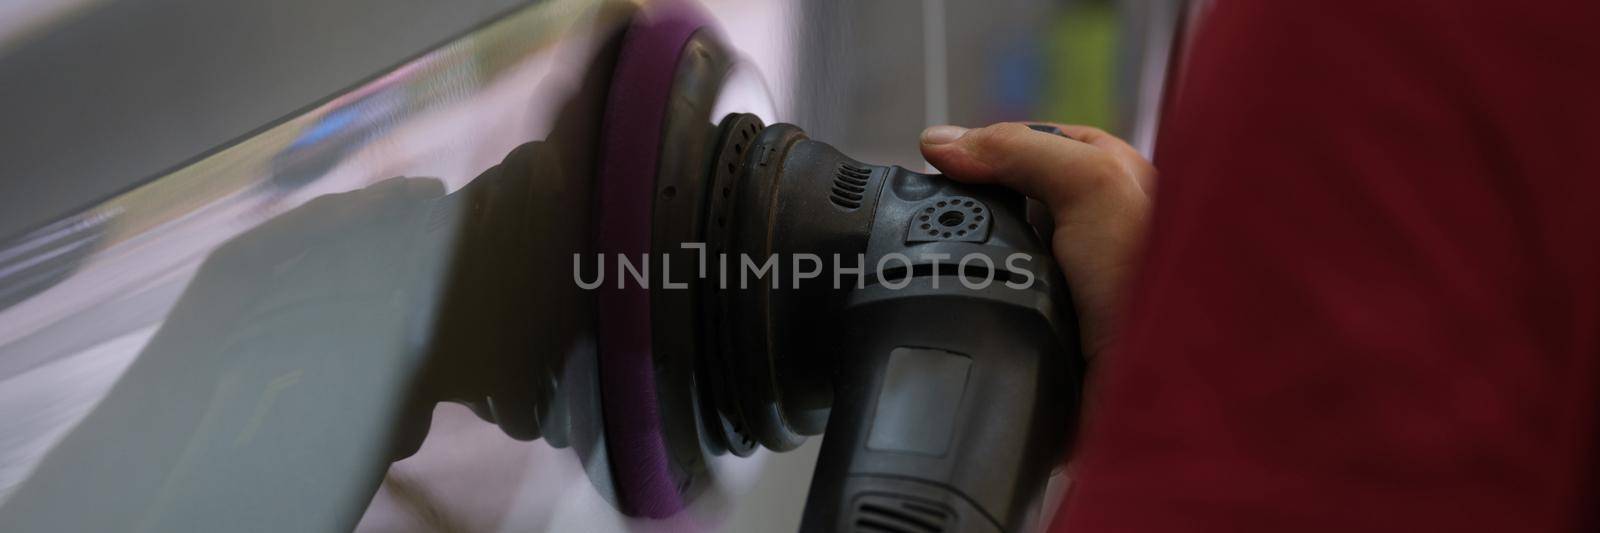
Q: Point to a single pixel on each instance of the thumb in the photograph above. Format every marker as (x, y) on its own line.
(1053, 169)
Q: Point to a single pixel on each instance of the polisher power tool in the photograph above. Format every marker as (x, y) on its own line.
(776, 290)
(917, 323)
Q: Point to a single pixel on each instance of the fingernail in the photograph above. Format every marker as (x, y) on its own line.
(942, 134)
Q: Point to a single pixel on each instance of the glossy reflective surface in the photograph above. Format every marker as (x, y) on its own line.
(280, 316)
(247, 347)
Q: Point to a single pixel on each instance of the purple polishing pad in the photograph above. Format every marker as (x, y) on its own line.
(630, 147)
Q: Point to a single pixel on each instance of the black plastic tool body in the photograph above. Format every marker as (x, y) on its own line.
(922, 319)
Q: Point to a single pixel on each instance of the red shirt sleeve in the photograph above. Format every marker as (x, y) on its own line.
(1372, 293)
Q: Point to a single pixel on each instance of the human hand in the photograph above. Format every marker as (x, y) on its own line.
(1097, 190)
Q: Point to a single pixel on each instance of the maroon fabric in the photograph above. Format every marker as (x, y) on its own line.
(1372, 295)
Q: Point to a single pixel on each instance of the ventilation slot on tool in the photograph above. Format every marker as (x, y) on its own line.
(849, 186)
(884, 513)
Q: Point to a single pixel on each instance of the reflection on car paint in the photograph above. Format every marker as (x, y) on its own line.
(99, 281)
(88, 296)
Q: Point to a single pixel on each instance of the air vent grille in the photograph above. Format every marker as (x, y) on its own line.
(849, 186)
(890, 513)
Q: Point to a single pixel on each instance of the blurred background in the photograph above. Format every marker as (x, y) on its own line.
(81, 77)
(139, 135)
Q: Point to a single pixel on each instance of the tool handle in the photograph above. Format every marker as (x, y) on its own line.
(950, 412)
